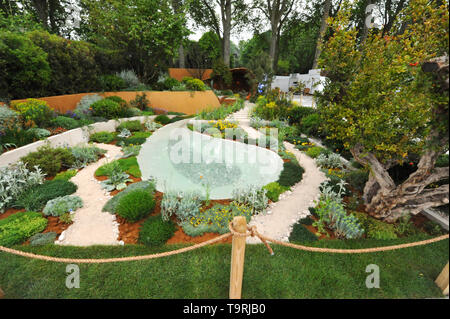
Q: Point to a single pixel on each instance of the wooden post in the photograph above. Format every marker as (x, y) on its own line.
(442, 280)
(2, 294)
(237, 257)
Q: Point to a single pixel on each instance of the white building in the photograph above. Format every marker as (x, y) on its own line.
(313, 81)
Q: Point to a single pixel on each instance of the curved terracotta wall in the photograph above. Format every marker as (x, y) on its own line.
(186, 102)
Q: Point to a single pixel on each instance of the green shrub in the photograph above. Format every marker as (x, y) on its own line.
(83, 108)
(73, 65)
(65, 122)
(169, 83)
(18, 227)
(155, 231)
(50, 160)
(102, 137)
(16, 136)
(142, 134)
(297, 113)
(111, 205)
(36, 198)
(310, 125)
(300, 234)
(315, 151)
(39, 133)
(136, 205)
(67, 175)
(112, 83)
(24, 70)
(306, 221)
(374, 228)
(442, 160)
(132, 126)
(34, 112)
(140, 102)
(128, 165)
(16, 179)
(194, 84)
(85, 154)
(42, 239)
(106, 108)
(216, 219)
(61, 205)
(291, 174)
(162, 119)
(134, 141)
(274, 190)
(357, 179)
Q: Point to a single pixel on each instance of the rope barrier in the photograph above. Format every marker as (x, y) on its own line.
(117, 259)
(251, 231)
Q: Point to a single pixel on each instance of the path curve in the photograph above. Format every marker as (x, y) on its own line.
(90, 225)
(293, 205)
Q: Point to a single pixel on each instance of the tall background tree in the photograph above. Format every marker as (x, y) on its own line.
(221, 16)
(148, 32)
(277, 13)
(386, 110)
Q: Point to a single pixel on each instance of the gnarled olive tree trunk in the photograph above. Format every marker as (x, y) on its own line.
(387, 201)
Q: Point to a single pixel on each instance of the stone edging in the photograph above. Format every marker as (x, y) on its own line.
(69, 138)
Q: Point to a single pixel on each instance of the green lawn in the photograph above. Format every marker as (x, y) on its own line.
(204, 273)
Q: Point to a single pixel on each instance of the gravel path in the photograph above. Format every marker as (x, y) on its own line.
(293, 205)
(91, 226)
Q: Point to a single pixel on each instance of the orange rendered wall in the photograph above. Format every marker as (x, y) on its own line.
(185, 102)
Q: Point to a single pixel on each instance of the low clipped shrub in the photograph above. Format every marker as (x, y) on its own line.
(42, 239)
(374, 228)
(194, 84)
(85, 154)
(39, 133)
(106, 108)
(216, 219)
(50, 160)
(61, 205)
(315, 151)
(169, 83)
(142, 134)
(291, 174)
(136, 205)
(300, 234)
(102, 137)
(162, 119)
(17, 228)
(36, 198)
(274, 190)
(155, 231)
(132, 126)
(134, 141)
(65, 122)
(34, 112)
(111, 205)
(128, 165)
(65, 176)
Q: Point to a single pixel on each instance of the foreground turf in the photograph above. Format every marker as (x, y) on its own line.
(204, 273)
